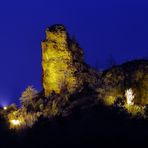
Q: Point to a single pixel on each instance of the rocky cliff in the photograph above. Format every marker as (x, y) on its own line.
(63, 63)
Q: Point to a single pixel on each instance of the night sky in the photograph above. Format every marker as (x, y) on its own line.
(103, 28)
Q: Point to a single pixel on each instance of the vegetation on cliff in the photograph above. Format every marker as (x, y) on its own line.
(70, 84)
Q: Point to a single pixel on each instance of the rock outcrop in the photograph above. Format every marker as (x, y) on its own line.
(64, 70)
(63, 63)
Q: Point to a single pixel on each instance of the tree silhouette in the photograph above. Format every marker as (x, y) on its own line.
(28, 95)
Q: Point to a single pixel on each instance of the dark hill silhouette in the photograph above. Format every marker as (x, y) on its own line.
(98, 126)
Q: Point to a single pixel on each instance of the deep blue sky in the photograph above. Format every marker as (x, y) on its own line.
(102, 27)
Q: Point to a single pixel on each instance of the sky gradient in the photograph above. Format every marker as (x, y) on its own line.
(103, 28)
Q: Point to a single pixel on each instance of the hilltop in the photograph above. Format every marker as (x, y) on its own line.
(78, 104)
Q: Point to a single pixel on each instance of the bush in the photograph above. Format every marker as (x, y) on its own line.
(134, 110)
(119, 102)
(27, 96)
(21, 118)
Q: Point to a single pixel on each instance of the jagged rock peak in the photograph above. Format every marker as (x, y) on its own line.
(63, 63)
(56, 28)
(59, 54)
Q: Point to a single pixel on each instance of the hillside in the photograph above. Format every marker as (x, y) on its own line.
(78, 105)
(98, 126)
(133, 74)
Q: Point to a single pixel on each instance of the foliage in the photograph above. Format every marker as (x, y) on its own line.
(109, 100)
(28, 95)
(146, 110)
(39, 105)
(119, 102)
(24, 119)
(54, 108)
(135, 109)
(9, 109)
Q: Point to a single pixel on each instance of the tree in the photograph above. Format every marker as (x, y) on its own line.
(28, 95)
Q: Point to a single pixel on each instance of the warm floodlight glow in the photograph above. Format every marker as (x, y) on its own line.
(129, 96)
(5, 107)
(15, 122)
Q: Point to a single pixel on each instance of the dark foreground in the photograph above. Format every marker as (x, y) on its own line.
(92, 127)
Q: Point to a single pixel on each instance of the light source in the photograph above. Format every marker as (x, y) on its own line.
(15, 122)
(5, 107)
(129, 96)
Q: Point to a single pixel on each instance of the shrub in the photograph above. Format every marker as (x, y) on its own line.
(119, 102)
(27, 96)
(135, 109)
(21, 118)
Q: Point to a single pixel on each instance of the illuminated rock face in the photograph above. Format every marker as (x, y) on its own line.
(61, 58)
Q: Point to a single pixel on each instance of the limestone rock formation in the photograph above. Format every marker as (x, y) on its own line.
(62, 62)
